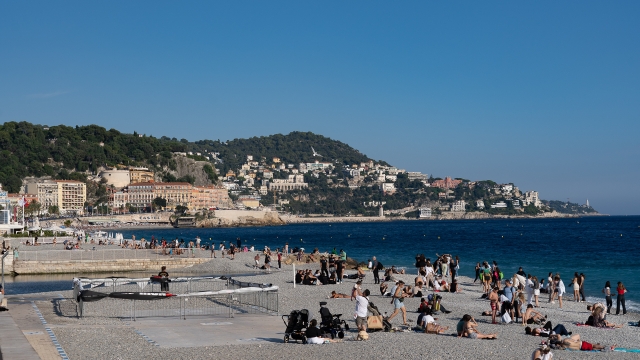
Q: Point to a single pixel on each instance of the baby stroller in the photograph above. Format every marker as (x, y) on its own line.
(385, 324)
(296, 322)
(331, 324)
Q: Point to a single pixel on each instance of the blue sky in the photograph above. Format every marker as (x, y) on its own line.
(544, 94)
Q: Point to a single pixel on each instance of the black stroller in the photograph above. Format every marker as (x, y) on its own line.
(331, 324)
(296, 322)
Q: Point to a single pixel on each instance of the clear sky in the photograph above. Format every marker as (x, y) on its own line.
(543, 94)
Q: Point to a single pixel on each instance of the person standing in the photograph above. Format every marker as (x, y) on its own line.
(323, 266)
(582, 277)
(362, 303)
(621, 291)
(455, 266)
(164, 279)
(213, 249)
(560, 287)
(477, 273)
(279, 260)
(343, 255)
(198, 240)
(267, 261)
(607, 296)
(339, 270)
(238, 243)
(374, 265)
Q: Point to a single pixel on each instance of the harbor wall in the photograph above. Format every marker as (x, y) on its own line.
(23, 267)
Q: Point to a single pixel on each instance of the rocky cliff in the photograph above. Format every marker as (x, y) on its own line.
(231, 218)
(188, 167)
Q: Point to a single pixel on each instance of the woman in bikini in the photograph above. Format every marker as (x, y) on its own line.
(471, 331)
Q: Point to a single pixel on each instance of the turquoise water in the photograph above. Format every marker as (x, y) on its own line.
(603, 248)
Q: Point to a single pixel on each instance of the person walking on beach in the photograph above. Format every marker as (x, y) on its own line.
(621, 291)
(607, 296)
(398, 302)
(374, 266)
(213, 249)
(477, 273)
(279, 260)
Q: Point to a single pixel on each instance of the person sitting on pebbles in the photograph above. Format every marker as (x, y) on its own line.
(470, 330)
(314, 335)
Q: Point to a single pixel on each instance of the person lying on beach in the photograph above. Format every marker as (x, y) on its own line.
(335, 295)
(575, 343)
(470, 330)
(542, 353)
(533, 317)
(548, 330)
(361, 273)
(396, 271)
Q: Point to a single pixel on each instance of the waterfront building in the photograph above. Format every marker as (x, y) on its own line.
(68, 195)
(531, 197)
(424, 212)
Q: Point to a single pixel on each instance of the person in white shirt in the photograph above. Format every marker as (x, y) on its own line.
(362, 302)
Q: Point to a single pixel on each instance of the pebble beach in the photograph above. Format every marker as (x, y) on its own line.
(113, 338)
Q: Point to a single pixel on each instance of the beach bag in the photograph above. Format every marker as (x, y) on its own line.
(506, 318)
(374, 322)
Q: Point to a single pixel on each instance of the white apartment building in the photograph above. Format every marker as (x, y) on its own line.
(68, 195)
(424, 212)
(293, 182)
(458, 206)
(531, 197)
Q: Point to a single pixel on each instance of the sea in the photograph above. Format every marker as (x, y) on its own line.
(604, 248)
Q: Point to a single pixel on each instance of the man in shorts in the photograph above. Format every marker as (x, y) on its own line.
(362, 302)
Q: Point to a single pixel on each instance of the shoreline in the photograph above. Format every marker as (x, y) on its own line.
(262, 338)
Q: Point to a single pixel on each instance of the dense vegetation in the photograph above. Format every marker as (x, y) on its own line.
(66, 152)
(293, 148)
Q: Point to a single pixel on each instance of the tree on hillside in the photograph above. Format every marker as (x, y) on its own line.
(159, 203)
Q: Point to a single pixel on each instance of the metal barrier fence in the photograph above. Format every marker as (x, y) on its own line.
(215, 301)
(180, 285)
(106, 254)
